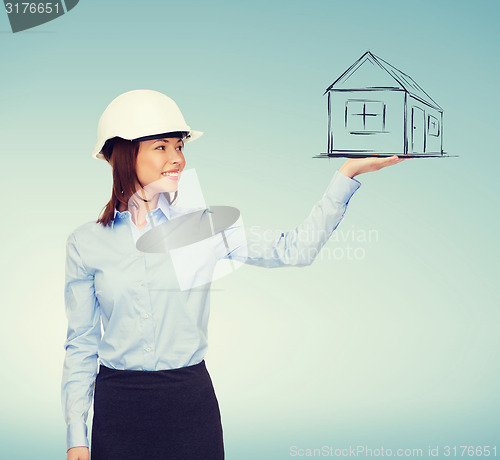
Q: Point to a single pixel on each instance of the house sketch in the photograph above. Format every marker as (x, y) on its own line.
(375, 109)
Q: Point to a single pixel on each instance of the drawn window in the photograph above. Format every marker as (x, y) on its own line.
(432, 126)
(365, 116)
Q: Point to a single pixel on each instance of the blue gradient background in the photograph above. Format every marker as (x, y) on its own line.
(396, 349)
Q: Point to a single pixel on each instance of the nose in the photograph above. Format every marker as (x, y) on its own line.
(174, 159)
(175, 156)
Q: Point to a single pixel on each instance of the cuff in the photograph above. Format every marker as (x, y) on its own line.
(342, 187)
(76, 435)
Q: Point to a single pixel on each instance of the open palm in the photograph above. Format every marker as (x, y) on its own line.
(355, 166)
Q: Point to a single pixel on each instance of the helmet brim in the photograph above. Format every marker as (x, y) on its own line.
(98, 155)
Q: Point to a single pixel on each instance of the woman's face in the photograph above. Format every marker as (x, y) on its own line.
(160, 163)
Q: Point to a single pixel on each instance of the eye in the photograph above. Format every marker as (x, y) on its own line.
(180, 148)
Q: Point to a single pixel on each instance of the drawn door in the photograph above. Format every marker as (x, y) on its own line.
(417, 132)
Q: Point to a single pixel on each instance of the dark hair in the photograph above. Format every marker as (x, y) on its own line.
(122, 154)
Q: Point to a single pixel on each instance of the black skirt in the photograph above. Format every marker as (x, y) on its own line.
(156, 415)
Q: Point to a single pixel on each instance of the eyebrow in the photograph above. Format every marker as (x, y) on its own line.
(166, 140)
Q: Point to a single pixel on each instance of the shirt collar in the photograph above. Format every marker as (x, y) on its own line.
(163, 206)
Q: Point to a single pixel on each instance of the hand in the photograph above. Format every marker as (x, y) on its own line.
(354, 166)
(78, 453)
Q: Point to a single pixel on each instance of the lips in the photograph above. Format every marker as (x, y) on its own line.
(172, 175)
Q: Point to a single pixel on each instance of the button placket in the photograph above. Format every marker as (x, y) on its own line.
(146, 315)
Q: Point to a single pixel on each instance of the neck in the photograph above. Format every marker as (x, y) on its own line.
(138, 208)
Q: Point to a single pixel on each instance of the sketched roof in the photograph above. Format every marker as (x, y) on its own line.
(404, 81)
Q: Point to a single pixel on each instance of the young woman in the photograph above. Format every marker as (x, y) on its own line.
(153, 397)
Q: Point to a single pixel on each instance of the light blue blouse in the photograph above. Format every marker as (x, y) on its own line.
(149, 311)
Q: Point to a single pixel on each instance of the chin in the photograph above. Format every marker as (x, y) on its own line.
(164, 185)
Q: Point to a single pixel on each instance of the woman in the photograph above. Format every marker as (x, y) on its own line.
(153, 397)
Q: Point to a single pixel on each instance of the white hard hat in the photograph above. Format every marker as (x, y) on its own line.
(140, 114)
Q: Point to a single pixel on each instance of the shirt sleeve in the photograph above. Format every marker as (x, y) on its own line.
(297, 247)
(81, 345)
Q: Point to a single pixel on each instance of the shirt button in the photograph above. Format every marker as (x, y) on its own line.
(142, 283)
(148, 349)
(146, 315)
(138, 254)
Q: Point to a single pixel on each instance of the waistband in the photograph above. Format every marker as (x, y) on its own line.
(186, 369)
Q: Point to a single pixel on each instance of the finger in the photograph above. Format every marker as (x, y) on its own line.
(391, 160)
(396, 158)
(388, 161)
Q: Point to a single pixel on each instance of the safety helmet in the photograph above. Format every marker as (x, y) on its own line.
(140, 115)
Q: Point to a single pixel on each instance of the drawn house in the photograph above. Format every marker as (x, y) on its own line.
(374, 108)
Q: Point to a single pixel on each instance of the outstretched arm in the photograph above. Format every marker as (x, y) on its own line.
(300, 246)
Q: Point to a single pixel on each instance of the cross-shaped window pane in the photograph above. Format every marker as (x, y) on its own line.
(432, 126)
(365, 116)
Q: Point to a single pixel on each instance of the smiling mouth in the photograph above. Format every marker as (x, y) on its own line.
(174, 174)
